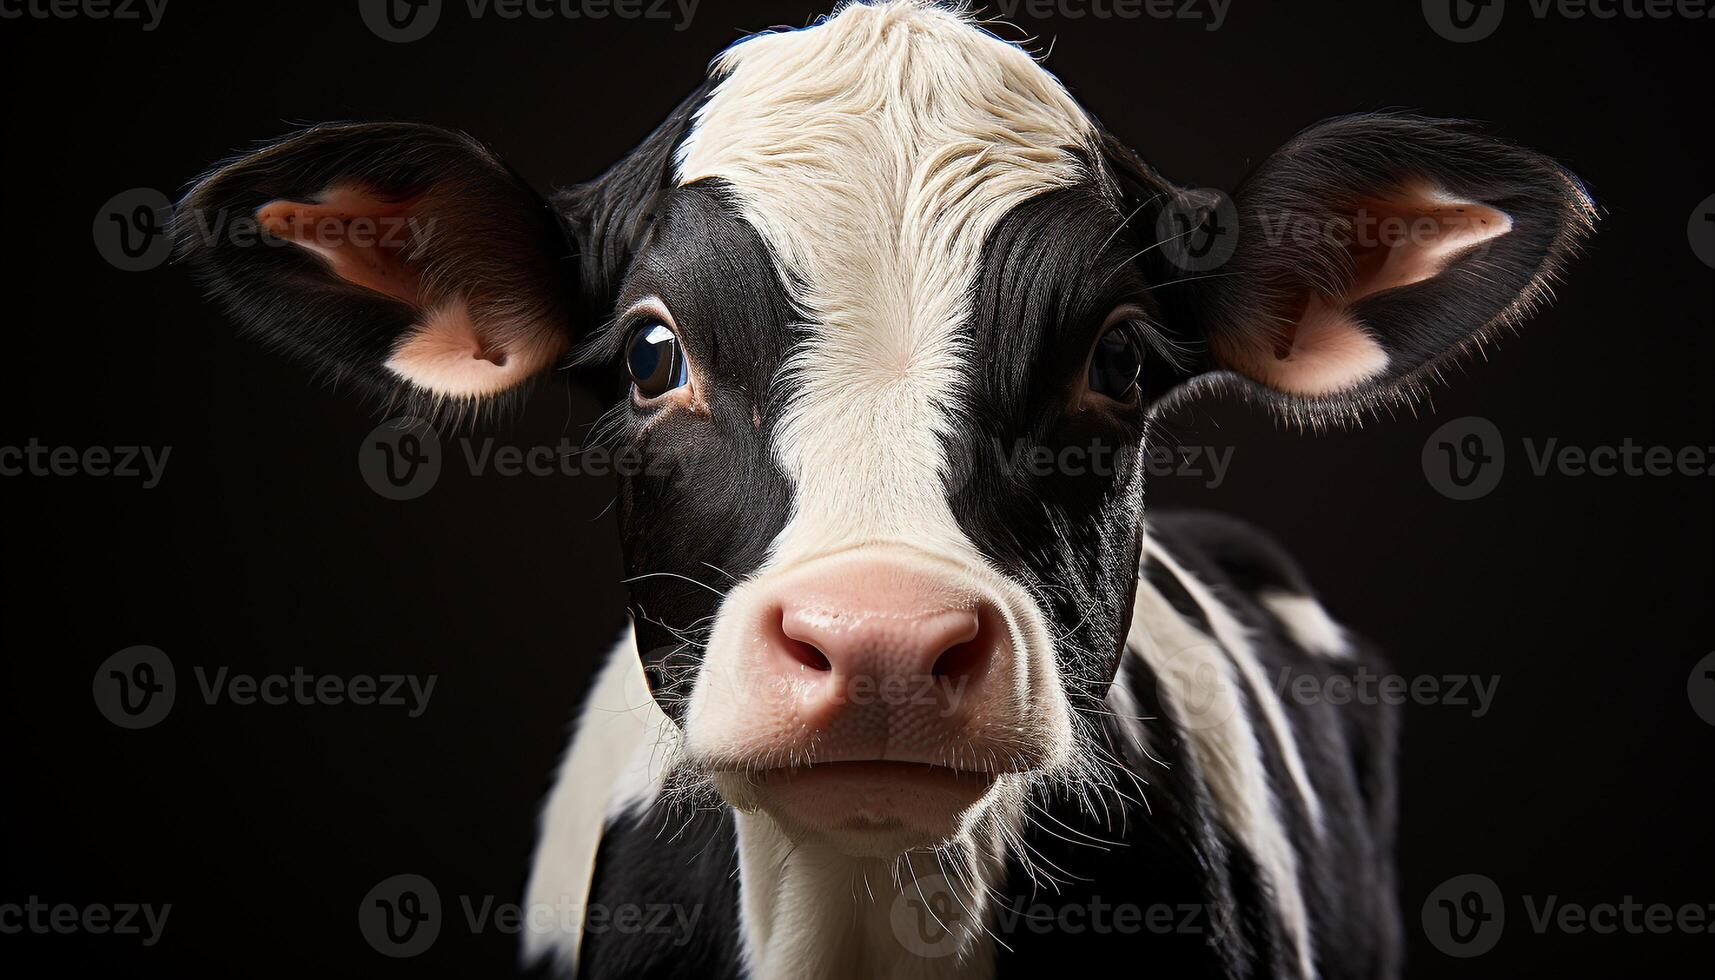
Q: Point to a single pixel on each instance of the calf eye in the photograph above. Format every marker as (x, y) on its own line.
(655, 360)
(1115, 365)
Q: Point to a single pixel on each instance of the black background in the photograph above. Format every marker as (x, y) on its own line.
(263, 549)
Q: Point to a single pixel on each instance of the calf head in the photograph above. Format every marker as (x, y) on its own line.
(852, 294)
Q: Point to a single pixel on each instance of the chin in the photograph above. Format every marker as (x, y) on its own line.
(875, 809)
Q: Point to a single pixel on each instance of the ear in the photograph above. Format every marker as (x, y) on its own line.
(1369, 251)
(388, 254)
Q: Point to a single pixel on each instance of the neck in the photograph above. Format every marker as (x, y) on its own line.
(809, 910)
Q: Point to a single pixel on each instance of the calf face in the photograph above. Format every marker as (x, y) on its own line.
(856, 289)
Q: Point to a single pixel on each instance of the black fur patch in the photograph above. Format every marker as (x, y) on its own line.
(1252, 560)
(665, 888)
(1051, 490)
(709, 497)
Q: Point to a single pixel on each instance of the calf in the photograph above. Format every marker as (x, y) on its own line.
(893, 704)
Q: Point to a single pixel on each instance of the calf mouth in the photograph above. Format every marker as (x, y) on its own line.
(876, 807)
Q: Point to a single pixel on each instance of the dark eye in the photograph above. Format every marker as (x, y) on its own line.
(1115, 365)
(655, 360)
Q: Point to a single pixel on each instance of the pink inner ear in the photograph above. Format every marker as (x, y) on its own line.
(364, 239)
(1410, 239)
(372, 242)
(1321, 349)
(447, 354)
(1323, 352)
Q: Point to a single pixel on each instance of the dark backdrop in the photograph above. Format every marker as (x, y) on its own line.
(1585, 598)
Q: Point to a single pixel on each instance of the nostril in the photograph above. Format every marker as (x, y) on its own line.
(960, 661)
(779, 622)
(968, 658)
(806, 654)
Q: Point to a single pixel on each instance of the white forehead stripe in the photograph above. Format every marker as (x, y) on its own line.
(873, 153)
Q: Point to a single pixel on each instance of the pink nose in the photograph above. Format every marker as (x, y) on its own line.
(884, 659)
(882, 634)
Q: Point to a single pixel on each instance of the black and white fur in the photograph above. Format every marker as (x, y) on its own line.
(888, 243)
(1259, 830)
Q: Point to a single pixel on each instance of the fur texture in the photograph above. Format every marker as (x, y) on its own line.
(889, 246)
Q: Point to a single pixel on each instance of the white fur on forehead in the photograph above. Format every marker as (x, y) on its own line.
(873, 153)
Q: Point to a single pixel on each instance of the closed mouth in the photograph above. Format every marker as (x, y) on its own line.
(872, 795)
(885, 769)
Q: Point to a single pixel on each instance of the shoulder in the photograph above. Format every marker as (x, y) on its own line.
(1252, 574)
(611, 768)
(1294, 757)
(1243, 555)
